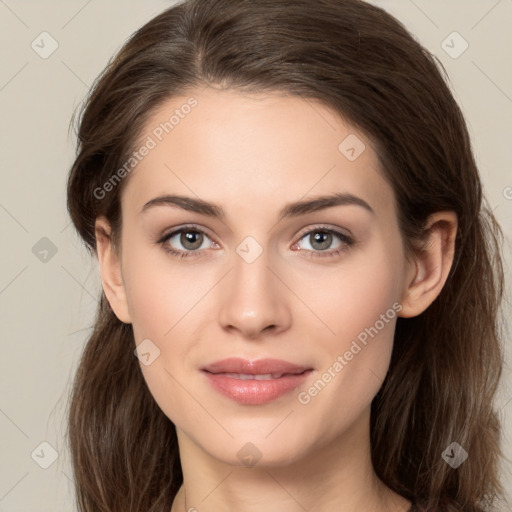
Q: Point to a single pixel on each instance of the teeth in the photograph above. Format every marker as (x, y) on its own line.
(248, 376)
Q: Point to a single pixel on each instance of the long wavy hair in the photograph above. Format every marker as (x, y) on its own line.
(446, 362)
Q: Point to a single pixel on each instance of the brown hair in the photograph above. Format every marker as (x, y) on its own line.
(362, 63)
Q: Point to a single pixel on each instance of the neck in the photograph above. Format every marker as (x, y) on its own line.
(337, 477)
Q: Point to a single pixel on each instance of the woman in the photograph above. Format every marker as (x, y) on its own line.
(293, 242)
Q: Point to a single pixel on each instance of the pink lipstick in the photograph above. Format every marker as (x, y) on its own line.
(255, 382)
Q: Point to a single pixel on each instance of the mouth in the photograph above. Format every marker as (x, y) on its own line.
(257, 382)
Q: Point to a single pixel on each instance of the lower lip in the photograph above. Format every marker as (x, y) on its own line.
(255, 392)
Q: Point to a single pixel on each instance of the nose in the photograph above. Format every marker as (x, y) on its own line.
(254, 299)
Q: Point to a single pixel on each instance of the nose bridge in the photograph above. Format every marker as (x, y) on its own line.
(253, 299)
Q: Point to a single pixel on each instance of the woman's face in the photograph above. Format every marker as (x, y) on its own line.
(255, 276)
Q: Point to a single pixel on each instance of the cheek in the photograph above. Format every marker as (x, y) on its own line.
(167, 301)
(352, 297)
(158, 292)
(360, 309)
(161, 301)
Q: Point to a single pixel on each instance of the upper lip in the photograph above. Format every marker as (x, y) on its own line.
(259, 367)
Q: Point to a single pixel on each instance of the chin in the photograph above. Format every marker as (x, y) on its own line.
(252, 447)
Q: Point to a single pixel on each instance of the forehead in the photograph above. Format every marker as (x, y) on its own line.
(230, 146)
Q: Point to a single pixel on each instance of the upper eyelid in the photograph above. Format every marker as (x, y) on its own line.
(336, 231)
(189, 227)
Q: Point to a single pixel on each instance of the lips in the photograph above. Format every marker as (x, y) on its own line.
(255, 382)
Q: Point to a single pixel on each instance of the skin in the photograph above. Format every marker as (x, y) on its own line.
(252, 154)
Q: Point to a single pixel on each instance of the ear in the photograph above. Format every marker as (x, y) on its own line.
(110, 269)
(428, 272)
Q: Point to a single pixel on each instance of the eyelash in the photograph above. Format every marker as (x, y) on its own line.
(347, 242)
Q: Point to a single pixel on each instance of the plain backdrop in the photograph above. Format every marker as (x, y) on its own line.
(49, 286)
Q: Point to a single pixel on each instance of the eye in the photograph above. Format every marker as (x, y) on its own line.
(191, 238)
(321, 238)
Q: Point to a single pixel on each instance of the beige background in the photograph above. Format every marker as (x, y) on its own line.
(47, 307)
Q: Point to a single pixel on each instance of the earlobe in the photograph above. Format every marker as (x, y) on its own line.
(431, 265)
(110, 270)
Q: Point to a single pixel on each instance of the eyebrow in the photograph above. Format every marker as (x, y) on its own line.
(293, 209)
